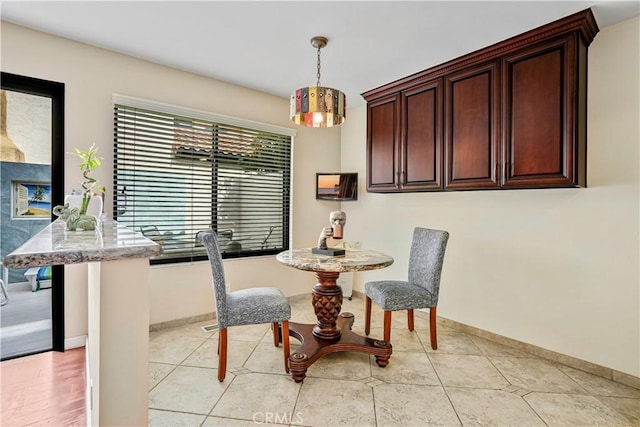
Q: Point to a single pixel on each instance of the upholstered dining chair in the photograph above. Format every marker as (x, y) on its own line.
(419, 291)
(253, 306)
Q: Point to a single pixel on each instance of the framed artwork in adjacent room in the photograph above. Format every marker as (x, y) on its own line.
(30, 200)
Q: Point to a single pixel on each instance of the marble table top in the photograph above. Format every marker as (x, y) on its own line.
(353, 260)
(54, 246)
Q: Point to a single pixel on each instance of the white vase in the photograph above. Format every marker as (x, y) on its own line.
(95, 204)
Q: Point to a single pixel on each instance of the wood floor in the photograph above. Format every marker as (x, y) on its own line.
(44, 389)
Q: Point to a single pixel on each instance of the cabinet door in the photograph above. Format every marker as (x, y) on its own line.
(382, 144)
(540, 86)
(421, 137)
(472, 117)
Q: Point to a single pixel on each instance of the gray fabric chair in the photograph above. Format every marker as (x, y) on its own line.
(252, 306)
(420, 291)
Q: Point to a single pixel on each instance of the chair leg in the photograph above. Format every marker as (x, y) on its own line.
(276, 334)
(222, 354)
(432, 328)
(285, 344)
(387, 326)
(367, 315)
(410, 319)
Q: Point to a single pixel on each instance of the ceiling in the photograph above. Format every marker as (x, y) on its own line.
(265, 45)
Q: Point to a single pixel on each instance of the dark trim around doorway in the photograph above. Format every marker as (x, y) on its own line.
(55, 91)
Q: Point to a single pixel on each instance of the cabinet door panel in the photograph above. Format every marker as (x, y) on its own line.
(422, 137)
(471, 128)
(538, 112)
(382, 140)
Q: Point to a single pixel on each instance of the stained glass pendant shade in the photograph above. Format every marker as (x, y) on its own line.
(317, 106)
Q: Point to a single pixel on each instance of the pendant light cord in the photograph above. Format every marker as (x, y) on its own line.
(318, 83)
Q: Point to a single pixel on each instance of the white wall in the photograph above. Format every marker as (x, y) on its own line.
(91, 76)
(555, 268)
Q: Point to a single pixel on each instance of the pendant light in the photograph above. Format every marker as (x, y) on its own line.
(317, 106)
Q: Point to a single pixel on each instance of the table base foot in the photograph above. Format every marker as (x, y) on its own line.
(313, 348)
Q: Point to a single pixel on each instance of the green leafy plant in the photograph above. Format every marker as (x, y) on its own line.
(90, 162)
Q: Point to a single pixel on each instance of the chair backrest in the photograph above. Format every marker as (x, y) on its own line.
(210, 242)
(426, 258)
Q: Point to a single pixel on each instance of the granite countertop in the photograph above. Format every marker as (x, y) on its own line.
(353, 260)
(54, 246)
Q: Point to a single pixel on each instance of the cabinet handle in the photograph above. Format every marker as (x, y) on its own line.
(506, 170)
(403, 178)
(496, 171)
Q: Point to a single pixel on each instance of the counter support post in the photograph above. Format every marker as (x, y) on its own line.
(119, 328)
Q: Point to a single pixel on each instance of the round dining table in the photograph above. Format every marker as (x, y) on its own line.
(332, 333)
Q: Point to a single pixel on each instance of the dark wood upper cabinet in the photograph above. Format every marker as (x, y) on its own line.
(512, 115)
(542, 139)
(421, 137)
(404, 134)
(472, 121)
(383, 136)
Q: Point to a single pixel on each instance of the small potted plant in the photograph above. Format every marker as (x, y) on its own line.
(90, 162)
(75, 217)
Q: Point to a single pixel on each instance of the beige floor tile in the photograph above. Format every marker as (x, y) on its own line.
(172, 349)
(573, 410)
(413, 405)
(599, 386)
(628, 408)
(406, 368)
(477, 407)
(449, 342)
(306, 316)
(342, 365)
(268, 336)
(260, 419)
(536, 375)
(490, 348)
(324, 402)
(266, 358)
(157, 372)
(254, 395)
(302, 311)
(401, 339)
(253, 333)
(191, 330)
(486, 383)
(173, 419)
(355, 306)
(458, 370)
(189, 389)
(206, 356)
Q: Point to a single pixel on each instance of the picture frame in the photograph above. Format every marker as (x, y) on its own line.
(337, 186)
(30, 200)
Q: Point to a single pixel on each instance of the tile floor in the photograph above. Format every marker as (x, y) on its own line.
(468, 381)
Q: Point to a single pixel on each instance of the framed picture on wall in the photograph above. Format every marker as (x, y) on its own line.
(30, 200)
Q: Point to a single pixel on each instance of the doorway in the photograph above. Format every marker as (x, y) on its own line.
(31, 182)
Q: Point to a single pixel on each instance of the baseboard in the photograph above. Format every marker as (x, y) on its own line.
(181, 322)
(75, 342)
(573, 362)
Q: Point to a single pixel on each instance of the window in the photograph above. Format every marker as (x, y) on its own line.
(179, 171)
